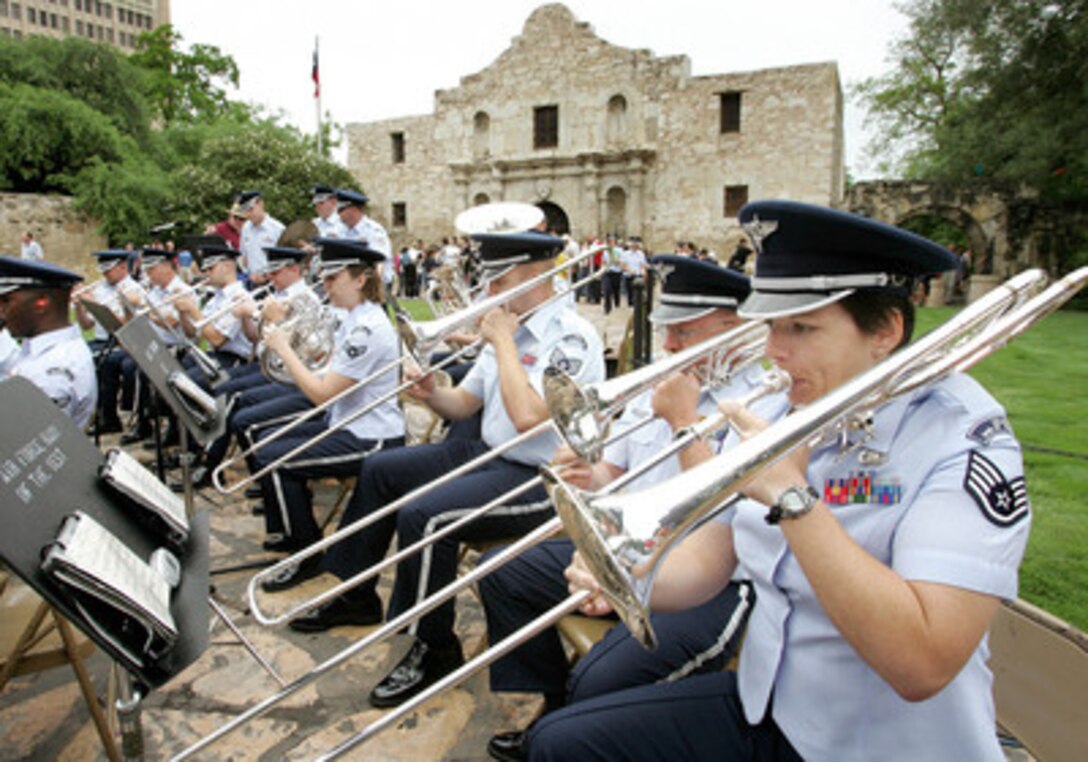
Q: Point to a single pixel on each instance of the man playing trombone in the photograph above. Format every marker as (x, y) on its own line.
(698, 301)
(879, 551)
(505, 384)
(221, 329)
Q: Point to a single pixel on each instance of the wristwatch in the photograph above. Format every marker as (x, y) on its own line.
(793, 503)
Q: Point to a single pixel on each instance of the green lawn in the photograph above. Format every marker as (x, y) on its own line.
(1042, 380)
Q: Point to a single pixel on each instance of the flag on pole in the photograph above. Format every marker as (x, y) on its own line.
(316, 76)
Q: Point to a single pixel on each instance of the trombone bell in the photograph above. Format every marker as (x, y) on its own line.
(576, 414)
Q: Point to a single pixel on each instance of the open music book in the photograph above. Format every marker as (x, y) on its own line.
(156, 502)
(120, 595)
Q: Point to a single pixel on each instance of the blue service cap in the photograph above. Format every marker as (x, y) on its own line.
(810, 256)
(247, 198)
(151, 256)
(16, 273)
(509, 249)
(281, 256)
(213, 253)
(337, 253)
(110, 258)
(346, 198)
(321, 193)
(691, 288)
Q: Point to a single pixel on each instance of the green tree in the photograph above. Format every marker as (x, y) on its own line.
(90, 72)
(984, 89)
(48, 137)
(186, 86)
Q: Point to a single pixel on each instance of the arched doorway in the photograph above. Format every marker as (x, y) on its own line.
(555, 217)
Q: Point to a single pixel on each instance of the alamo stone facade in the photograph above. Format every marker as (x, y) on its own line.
(606, 140)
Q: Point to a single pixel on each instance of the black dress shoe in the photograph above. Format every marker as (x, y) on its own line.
(253, 492)
(109, 426)
(257, 510)
(338, 613)
(511, 746)
(422, 666)
(293, 575)
(279, 543)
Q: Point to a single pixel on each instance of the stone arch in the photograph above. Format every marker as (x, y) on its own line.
(481, 134)
(616, 119)
(480, 199)
(615, 222)
(555, 217)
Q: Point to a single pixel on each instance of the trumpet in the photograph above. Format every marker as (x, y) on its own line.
(86, 288)
(450, 324)
(425, 606)
(256, 295)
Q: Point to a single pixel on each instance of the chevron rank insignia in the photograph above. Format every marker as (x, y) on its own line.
(1002, 502)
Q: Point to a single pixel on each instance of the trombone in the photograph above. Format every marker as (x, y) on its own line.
(254, 295)
(626, 560)
(428, 604)
(623, 389)
(416, 337)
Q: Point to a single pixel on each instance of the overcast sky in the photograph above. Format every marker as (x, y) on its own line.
(386, 59)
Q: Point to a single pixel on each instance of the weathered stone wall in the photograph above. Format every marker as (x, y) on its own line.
(1008, 230)
(67, 236)
(640, 150)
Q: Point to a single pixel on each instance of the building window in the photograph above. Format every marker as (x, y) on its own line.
(78, 4)
(64, 24)
(400, 214)
(398, 147)
(481, 135)
(736, 196)
(730, 112)
(4, 8)
(546, 127)
(16, 13)
(616, 124)
(32, 15)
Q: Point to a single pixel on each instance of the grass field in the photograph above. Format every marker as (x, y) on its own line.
(1042, 380)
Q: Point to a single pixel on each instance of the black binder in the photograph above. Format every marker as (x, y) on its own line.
(49, 470)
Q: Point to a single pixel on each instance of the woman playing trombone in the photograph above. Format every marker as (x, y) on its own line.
(505, 385)
(879, 554)
(364, 342)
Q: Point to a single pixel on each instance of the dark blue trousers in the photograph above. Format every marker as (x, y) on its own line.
(693, 719)
(388, 475)
(286, 491)
(697, 640)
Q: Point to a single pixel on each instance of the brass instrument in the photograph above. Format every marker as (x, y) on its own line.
(255, 295)
(412, 338)
(310, 327)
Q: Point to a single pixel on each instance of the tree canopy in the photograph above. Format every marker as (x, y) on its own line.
(146, 138)
(984, 89)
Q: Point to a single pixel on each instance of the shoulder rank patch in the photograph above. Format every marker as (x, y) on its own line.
(1001, 501)
(987, 430)
(59, 371)
(355, 351)
(569, 365)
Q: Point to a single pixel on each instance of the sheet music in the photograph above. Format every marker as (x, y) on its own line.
(89, 558)
(125, 474)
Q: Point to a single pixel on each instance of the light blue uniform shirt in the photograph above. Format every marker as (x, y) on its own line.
(253, 240)
(157, 296)
(938, 496)
(365, 342)
(9, 350)
(60, 364)
(111, 297)
(645, 443)
(227, 324)
(554, 336)
(329, 227)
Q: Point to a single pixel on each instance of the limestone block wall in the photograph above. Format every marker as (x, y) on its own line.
(66, 235)
(639, 149)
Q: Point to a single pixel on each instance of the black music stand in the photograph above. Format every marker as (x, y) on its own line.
(48, 470)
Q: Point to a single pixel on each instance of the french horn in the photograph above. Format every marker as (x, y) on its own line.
(310, 328)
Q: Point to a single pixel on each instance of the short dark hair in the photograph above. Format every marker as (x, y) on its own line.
(871, 308)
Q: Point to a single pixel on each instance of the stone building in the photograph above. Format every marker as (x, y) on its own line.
(113, 22)
(606, 139)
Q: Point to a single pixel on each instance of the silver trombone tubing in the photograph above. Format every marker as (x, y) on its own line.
(256, 295)
(217, 474)
(582, 416)
(625, 558)
(421, 338)
(774, 381)
(430, 603)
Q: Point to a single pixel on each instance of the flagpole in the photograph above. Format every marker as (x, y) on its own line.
(317, 97)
